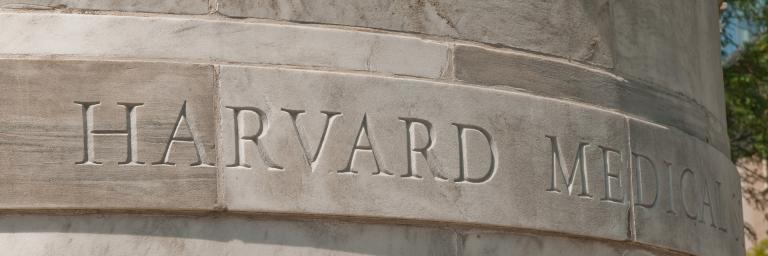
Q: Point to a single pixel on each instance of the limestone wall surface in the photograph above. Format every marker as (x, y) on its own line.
(341, 127)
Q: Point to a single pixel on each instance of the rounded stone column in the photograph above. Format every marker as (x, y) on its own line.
(364, 127)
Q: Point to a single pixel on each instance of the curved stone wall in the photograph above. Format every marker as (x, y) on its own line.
(442, 127)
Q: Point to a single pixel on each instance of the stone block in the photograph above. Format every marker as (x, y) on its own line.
(220, 41)
(668, 44)
(711, 91)
(106, 135)
(686, 194)
(153, 6)
(555, 78)
(578, 30)
(312, 142)
(119, 235)
(501, 243)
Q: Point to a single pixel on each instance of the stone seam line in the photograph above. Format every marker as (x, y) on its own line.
(449, 78)
(428, 37)
(218, 64)
(215, 15)
(220, 207)
(459, 229)
(709, 137)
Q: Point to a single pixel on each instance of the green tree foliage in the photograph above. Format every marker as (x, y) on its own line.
(759, 249)
(746, 80)
(746, 90)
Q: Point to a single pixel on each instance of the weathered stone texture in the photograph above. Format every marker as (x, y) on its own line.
(670, 44)
(499, 243)
(220, 41)
(586, 127)
(46, 160)
(164, 235)
(239, 236)
(281, 176)
(687, 195)
(666, 43)
(578, 30)
(556, 78)
(688, 73)
(155, 6)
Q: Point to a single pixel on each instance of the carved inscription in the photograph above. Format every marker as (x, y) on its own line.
(463, 170)
(261, 130)
(309, 156)
(364, 143)
(131, 132)
(579, 169)
(682, 191)
(567, 174)
(363, 147)
(425, 151)
(251, 125)
(176, 138)
(688, 192)
(677, 189)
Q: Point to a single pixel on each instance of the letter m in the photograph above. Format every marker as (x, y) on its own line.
(578, 169)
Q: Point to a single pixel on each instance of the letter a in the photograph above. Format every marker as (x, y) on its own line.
(199, 148)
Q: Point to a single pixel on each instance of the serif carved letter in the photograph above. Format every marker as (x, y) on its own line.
(692, 214)
(255, 138)
(670, 194)
(579, 167)
(722, 218)
(410, 137)
(707, 203)
(364, 131)
(199, 147)
(308, 156)
(463, 175)
(609, 176)
(640, 186)
(130, 132)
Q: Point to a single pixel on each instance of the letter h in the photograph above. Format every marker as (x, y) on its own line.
(130, 132)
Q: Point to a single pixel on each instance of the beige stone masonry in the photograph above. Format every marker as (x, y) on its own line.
(349, 127)
(124, 235)
(92, 135)
(153, 6)
(417, 150)
(578, 30)
(553, 78)
(687, 195)
(219, 41)
(215, 41)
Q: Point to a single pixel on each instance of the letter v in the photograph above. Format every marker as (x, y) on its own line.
(310, 157)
